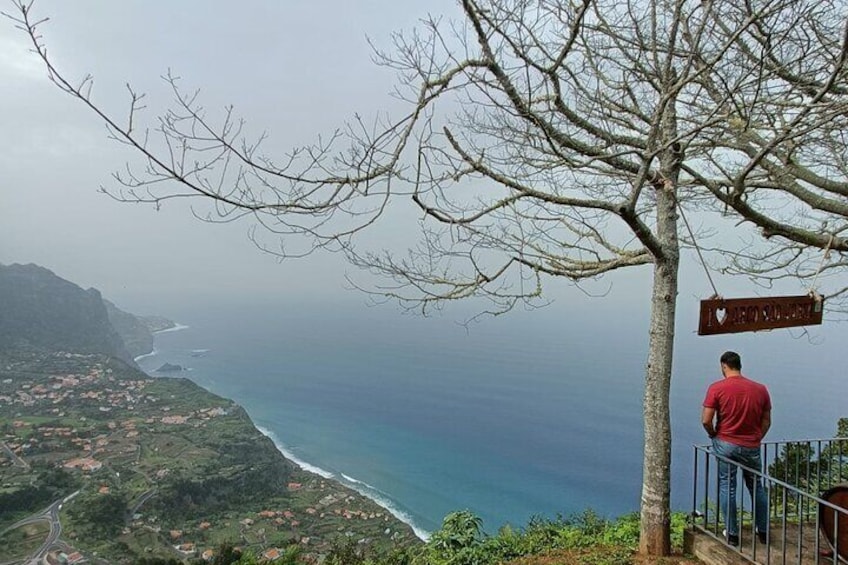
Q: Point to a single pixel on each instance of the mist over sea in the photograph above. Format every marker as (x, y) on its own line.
(531, 414)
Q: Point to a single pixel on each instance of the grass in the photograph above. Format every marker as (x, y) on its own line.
(24, 541)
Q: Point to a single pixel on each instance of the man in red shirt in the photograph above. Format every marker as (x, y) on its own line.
(736, 416)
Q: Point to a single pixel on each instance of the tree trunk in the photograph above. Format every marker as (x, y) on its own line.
(655, 535)
(655, 516)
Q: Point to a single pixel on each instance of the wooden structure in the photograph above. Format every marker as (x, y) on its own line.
(834, 525)
(794, 544)
(734, 315)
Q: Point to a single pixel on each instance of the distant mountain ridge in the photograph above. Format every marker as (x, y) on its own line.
(76, 416)
(42, 310)
(136, 335)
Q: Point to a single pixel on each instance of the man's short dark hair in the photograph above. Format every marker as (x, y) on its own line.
(732, 360)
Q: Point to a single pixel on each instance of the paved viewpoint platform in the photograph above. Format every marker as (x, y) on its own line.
(789, 544)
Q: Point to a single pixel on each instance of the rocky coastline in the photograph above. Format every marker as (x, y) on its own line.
(147, 467)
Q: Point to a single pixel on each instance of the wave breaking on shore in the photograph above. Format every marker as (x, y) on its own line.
(146, 355)
(361, 487)
(174, 328)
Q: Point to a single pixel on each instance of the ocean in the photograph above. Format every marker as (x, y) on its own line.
(529, 414)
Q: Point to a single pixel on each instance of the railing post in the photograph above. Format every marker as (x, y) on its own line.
(695, 487)
(783, 545)
(801, 526)
(817, 544)
(775, 492)
(791, 500)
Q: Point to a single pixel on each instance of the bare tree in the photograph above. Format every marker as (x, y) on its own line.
(551, 138)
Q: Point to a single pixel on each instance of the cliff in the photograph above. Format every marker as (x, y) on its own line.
(152, 464)
(41, 310)
(134, 332)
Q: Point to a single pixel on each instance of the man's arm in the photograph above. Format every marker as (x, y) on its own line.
(707, 416)
(765, 423)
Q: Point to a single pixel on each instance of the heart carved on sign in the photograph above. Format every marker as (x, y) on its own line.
(721, 315)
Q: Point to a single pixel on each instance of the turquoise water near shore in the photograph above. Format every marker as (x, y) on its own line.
(521, 416)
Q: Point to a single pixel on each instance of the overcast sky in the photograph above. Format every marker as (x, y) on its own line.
(295, 69)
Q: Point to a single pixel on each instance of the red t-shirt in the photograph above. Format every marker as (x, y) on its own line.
(739, 404)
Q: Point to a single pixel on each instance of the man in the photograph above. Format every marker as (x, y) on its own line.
(741, 410)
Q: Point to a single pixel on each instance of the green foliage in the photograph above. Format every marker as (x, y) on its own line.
(226, 555)
(461, 541)
(248, 559)
(842, 428)
(811, 467)
(679, 520)
(28, 499)
(291, 556)
(346, 551)
(459, 530)
(599, 541)
(60, 480)
(796, 463)
(625, 531)
(99, 516)
(50, 485)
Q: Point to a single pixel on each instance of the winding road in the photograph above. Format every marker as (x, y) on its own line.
(49, 515)
(16, 461)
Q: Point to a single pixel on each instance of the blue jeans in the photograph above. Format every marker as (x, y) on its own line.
(749, 457)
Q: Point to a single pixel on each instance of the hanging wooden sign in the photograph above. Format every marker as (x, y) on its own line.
(736, 315)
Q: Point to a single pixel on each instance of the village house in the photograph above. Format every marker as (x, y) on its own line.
(174, 419)
(87, 464)
(186, 548)
(271, 554)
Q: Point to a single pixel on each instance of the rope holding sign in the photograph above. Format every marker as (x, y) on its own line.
(825, 257)
(698, 249)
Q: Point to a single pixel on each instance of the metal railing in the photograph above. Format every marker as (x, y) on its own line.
(795, 474)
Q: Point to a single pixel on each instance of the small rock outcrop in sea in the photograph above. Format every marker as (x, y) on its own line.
(169, 368)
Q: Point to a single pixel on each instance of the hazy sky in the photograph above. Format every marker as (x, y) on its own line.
(295, 69)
